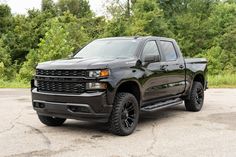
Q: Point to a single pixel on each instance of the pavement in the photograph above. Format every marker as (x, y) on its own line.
(171, 132)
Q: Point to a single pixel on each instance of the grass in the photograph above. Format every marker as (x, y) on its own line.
(218, 81)
(222, 81)
(13, 84)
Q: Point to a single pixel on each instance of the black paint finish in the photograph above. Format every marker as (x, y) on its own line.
(156, 81)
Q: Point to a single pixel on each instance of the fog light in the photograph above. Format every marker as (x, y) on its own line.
(95, 85)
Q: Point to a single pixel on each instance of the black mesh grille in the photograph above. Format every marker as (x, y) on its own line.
(64, 87)
(81, 73)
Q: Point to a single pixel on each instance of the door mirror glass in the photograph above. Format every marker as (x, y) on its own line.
(151, 58)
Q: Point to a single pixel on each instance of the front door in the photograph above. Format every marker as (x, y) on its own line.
(155, 78)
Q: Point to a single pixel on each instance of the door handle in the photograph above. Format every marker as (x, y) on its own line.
(164, 67)
(181, 66)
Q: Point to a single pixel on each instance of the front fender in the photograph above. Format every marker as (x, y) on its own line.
(118, 78)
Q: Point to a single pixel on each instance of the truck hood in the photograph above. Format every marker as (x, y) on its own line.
(88, 63)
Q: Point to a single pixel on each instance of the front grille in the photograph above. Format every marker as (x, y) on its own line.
(61, 81)
(80, 73)
(62, 87)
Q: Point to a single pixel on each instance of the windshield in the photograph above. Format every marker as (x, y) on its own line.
(109, 49)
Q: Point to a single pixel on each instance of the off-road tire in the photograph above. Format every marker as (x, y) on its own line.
(51, 121)
(117, 120)
(195, 102)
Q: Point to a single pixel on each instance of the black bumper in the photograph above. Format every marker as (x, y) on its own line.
(86, 106)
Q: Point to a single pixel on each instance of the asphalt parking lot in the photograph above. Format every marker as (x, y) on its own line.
(171, 132)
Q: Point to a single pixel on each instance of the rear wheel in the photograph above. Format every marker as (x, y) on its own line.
(125, 114)
(51, 121)
(196, 100)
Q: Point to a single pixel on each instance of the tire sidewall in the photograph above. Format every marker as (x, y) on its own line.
(116, 124)
(197, 86)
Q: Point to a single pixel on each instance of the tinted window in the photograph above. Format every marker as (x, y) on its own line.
(109, 49)
(169, 50)
(150, 48)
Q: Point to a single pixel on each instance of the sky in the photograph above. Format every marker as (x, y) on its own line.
(21, 6)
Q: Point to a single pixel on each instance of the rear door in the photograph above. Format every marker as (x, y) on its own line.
(173, 67)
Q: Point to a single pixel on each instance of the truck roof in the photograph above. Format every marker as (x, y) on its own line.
(136, 38)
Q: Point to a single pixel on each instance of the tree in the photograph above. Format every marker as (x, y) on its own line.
(172, 8)
(5, 18)
(5, 60)
(230, 49)
(203, 28)
(54, 45)
(61, 39)
(79, 8)
(148, 19)
(122, 7)
(49, 5)
(94, 27)
(189, 21)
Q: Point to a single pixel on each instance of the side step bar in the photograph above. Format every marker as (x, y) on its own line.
(160, 105)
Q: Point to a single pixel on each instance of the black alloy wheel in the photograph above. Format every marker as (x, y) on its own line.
(196, 98)
(128, 115)
(125, 114)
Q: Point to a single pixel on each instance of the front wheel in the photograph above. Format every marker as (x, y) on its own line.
(51, 121)
(196, 100)
(125, 114)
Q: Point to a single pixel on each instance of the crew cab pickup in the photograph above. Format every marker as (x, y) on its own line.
(112, 80)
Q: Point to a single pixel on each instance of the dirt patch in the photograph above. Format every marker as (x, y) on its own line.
(228, 119)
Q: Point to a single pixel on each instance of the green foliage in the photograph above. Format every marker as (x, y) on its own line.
(222, 81)
(214, 55)
(13, 84)
(148, 19)
(203, 28)
(93, 27)
(25, 34)
(49, 6)
(56, 44)
(5, 18)
(5, 60)
(79, 8)
(116, 27)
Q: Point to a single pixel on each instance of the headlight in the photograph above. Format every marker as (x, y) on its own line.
(99, 73)
(95, 85)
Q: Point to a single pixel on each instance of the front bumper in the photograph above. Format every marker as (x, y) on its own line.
(86, 106)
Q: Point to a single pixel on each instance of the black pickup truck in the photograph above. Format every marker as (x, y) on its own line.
(112, 80)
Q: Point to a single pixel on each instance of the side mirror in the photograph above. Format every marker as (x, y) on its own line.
(152, 58)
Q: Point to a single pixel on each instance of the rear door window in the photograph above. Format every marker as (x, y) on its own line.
(169, 50)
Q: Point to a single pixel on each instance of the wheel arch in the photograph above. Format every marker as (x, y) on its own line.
(130, 86)
(198, 77)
